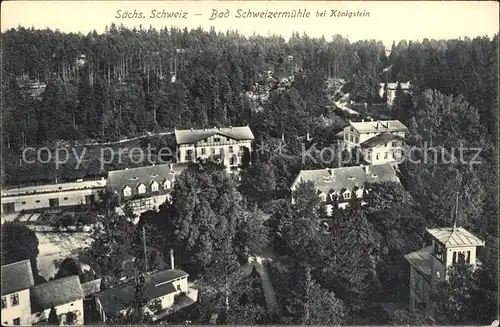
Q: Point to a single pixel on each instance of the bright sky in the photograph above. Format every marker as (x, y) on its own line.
(388, 20)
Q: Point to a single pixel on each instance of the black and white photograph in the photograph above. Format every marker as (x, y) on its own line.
(249, 163)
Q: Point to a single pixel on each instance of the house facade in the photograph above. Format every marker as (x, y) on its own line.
(390, 90)
(379, 141)
(50, 196)
(144, 188)
(65, 295)
(429, 265)
(161, 289)
(222, 145)
(337, 187)
(17, 279)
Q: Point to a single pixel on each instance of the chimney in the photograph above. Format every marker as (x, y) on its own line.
(388, 124)
(192, 129)
(376, 125)
(171, 166)
(307, 137)
(172, 265)
(371, 119)
(230, 127)
(363, 120)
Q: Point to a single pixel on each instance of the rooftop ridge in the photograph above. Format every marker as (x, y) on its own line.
(16, 263)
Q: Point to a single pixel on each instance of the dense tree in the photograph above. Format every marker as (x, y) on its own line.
(20, 243)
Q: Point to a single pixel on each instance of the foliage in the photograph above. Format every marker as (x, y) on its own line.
(20, 243)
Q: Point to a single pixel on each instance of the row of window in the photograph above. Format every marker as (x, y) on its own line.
(346, 195)
(351, 138)
(14, 300)
(221, 150)
(141, 188)
(395, 155)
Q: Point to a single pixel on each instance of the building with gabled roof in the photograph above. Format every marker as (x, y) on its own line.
(162, 291)
(17, 279)
(65, 295)
(227, 146)
(145, 187)
(429, 265)
(379, 141)
(338, 186)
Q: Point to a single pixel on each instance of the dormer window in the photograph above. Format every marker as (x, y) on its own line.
(154, 186)
(127, 191)
(167, 185)
(347, 195)
(141, 188)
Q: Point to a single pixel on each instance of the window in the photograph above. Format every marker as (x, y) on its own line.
(16, 321)
(141, 189)
(378, 156)
(213, 151)
(394, 144)
(438, 251)
(438, 274)
(65, 198)
(454, 260)
(385, 155)
(346, 136)
(154, 186)
(386, 145)
(347, 195)
(127, 191)
(166, 185)
(14, 299)
(4, 302)
(216, 139)
(356, 139)
(394, 155)
(230, 149)
(461, 258)
(468, 258)
(178, 287)
(24, 202)
(203, 151)
(418, 285)
(37, 201)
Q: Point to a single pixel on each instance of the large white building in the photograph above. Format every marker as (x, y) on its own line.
(50, 195)
(338, 186)
(222, 145)
(379, 141)
(430, 265)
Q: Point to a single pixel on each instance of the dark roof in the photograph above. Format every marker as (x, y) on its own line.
(380, 139)
(56, 292)
(421, 260)
(17, 276)
(338, 179)
(186, 136)
(115, 299)
(455, 236)
(118, 179)
(92, 287)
